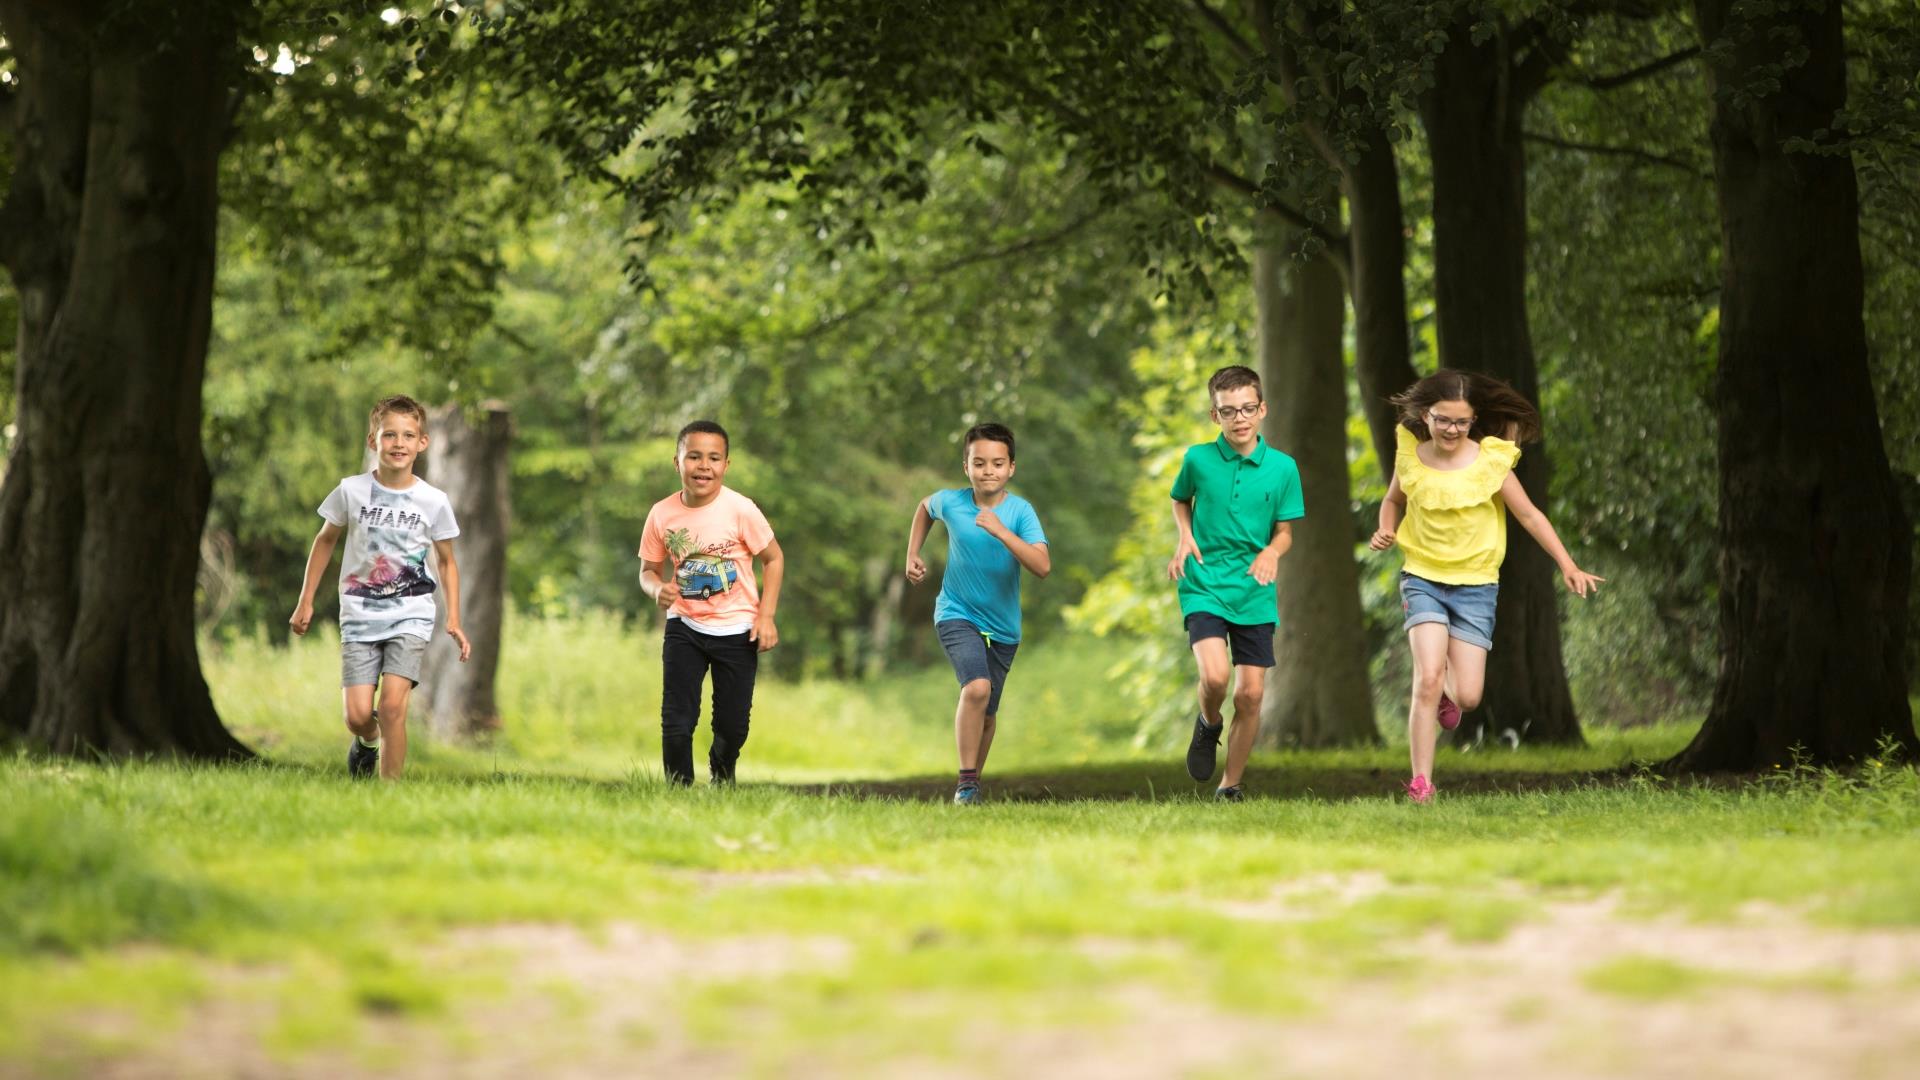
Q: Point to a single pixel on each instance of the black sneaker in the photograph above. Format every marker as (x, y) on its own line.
(1200, 751)
(1230, 794)
(362, 760)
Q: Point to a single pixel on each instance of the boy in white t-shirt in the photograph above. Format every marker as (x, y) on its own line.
(390, 518)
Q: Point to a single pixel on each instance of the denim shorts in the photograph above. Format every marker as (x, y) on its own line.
(974, 657)
(1250, 643)
(363, 662)
(1466, 610)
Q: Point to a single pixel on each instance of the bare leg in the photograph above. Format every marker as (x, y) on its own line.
(970, 721)
(1215, 664)
(1429, 644)
(1466, 673)
(357, 702)
(987, 727)
(1249, 686)
(395, 692)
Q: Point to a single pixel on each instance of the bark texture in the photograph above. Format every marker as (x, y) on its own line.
(1814, 545)
(469, 462)
(108, 232)
(1317, 691)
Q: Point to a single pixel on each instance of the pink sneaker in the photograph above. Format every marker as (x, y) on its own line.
(1420, 790)
(1449, 712)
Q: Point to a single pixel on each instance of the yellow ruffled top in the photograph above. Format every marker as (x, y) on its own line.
(1455, 530)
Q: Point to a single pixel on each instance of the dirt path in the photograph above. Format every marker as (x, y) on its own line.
(1581, 991)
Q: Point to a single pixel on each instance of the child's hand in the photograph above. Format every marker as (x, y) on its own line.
(916, 569)
(302, 618)
(668, 594)
(1579, 582)
(1382, 539)
(1177, 566)
(764, 632)
(990, 522)
(459, 635)
(1266, 566)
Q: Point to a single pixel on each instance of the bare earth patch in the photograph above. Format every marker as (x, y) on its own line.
(1580, 991)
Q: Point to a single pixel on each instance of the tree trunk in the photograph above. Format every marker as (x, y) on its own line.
(1378, 244)
(1814, 555)
(108, 233)
(470, 464)
(1317, 691)
(1472, 116)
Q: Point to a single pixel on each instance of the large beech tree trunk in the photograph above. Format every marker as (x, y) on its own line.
(1378, 246)
(108, 233)
(1814, 555)
(1317, 691)
(1472, 116)
(469, 463)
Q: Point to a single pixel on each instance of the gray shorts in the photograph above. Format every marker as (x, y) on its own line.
(974, 657)
(363, 662)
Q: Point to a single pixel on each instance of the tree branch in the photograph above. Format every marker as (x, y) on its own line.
(1652, 67)
(1633, 152)
(1241, 46)
(973, 258)
(1233, 181)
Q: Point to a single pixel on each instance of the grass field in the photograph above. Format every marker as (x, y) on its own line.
(545, 906)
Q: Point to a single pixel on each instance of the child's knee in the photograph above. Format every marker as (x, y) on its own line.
(1213, 682)
(1428, 682)
(393, 705)
(1468, 699)
(976, 692)
(1247, 696)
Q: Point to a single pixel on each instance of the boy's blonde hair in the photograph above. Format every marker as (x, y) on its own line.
(398, 403)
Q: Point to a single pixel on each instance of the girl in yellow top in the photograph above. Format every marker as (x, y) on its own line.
(1446, 507)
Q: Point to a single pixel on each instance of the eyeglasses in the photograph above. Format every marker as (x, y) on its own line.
(1228, 412)
(1449, 423)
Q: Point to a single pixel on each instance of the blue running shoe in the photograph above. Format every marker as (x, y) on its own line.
(966, 794)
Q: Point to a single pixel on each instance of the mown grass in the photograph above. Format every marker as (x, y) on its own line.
(134, 891)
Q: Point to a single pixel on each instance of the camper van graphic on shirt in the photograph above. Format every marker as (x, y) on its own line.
(699, 576)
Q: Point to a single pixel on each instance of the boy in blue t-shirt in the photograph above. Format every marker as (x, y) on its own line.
(991, 534)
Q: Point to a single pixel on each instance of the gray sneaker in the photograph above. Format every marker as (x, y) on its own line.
(966, 795)
(1230, 794)
(1201, 751)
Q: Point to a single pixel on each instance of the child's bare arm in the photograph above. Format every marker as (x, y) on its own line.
(1393, 509)
(1184, 544)
(1266, 565)
(450, 592)
(317, 559)
(773, 568)
(916, 538)
(1578, 581)
(658, 584)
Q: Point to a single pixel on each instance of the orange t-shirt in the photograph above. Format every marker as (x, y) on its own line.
(711, 549)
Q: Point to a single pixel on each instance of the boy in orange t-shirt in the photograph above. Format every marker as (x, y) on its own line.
(716, 618)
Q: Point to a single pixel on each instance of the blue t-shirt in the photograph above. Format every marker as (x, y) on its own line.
(982, 583)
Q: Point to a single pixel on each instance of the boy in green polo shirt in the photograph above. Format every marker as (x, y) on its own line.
(1232, 503)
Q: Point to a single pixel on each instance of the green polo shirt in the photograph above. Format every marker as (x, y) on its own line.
(1236, 502)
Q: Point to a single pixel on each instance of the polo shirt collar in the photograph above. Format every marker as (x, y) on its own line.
(1229, 454)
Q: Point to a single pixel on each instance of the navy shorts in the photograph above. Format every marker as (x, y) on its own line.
(1467, 610)
(1250, 643)
(974, 657)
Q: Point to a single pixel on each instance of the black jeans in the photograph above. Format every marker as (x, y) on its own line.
(685, 656)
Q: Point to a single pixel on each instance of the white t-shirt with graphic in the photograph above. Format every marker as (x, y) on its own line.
(386, 587)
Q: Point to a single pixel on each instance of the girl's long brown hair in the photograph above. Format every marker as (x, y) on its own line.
(1497, 408)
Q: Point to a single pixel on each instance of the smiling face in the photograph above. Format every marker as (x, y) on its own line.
(398, 438)
(1449, 422)
(988, 465)
(1238, 412)
(703, 465)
